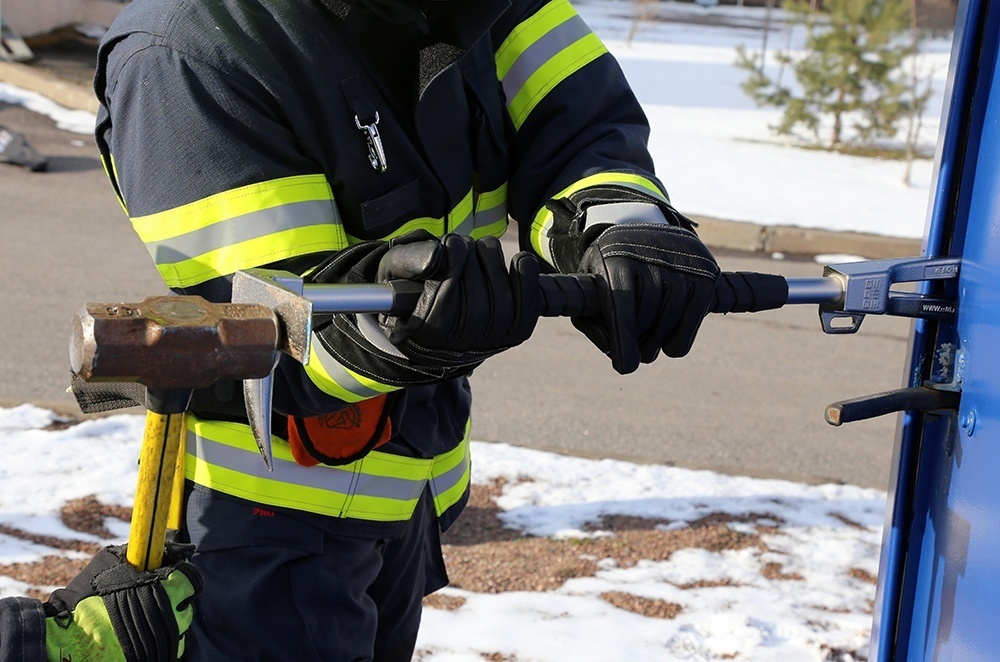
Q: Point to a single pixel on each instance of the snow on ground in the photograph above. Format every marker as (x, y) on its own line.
(77, 121)
(823, 538)
(713, 148)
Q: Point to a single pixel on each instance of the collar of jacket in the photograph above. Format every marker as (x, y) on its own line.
(463, 21)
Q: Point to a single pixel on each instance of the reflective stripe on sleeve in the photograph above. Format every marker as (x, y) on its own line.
(379, 487)
(540, 53)
(541, 227)
(327, 373)
(242, 228)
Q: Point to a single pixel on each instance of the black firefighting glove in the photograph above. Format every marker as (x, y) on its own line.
(655, 277)
(470, 309)
(111, 611)
(472, 306)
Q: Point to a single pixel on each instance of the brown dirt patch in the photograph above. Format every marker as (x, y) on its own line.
(50, 541)
(62, 423)
(486, 557)
(49, 571)
(863, 575)
(706, 583)
(848, 521)
(653, 608)
(775, 571)
(87, 515)
(444, 602)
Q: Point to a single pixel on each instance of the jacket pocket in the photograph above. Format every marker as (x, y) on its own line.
(382, 213)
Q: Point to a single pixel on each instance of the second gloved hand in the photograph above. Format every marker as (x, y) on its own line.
(111, 611)
(472, 305)
(655, 283)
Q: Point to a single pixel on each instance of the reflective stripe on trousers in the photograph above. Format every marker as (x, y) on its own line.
(379, 487)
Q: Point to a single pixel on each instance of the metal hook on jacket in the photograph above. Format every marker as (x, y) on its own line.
(376, 153)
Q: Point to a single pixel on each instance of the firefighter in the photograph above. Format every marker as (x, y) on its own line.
(363, 141)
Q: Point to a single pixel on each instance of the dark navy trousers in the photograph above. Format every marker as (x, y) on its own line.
(282, 585)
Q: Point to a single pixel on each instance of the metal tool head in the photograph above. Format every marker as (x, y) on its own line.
(257, 397)
(868, 291)
(171, 342)
(281, 291)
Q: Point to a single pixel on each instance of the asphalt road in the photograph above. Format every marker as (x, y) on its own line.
(749, 399)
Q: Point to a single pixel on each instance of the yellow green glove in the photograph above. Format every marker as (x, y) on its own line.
(111, 611)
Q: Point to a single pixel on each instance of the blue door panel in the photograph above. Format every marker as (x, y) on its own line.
(939, 584)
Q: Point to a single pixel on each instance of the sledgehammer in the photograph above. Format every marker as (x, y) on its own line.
(171, 345)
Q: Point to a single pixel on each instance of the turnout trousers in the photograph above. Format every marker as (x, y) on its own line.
(350, 597)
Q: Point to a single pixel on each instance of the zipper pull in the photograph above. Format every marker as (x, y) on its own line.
(376, 153)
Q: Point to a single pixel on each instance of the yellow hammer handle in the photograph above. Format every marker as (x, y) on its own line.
(175, 518)
(158, 461)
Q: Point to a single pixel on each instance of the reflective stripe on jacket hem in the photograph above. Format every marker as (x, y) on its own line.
(380, 487)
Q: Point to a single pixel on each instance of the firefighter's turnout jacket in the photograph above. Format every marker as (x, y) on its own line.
(269, 133)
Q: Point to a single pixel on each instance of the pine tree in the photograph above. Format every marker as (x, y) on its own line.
(852, 71)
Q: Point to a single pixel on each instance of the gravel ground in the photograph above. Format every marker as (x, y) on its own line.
(482, 554)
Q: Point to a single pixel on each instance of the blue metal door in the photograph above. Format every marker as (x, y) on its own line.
(939, 577)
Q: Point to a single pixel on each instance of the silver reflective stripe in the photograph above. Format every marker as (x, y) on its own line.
(492, 215)
(332, 479)
(452, 477)
(338, 373)
(464, 226)
(540, 52)
(612, 213)
(482, 217)
(243, 228)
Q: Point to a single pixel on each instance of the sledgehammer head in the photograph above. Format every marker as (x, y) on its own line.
(173, 342)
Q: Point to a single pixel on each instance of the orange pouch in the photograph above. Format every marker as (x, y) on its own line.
(341, 437)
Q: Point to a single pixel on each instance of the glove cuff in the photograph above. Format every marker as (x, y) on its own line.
(589, 212)
(22, 624)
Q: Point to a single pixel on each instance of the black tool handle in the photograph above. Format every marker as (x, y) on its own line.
(576, 295)
(748, 292)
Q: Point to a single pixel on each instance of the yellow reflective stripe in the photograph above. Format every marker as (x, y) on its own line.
(378, 509)
(451, 222)
(492, 199)
(433, 225)
(530, 31)
(261, 490)
(379, 487)
(497, 229)
(395, 466)
(569, 60)
(447, 461)
(253, 253)
(335, 379)
(542, 224)
(451, 474)
(461, 212)
(230, 204)
(540, 53)
(109, 169)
